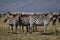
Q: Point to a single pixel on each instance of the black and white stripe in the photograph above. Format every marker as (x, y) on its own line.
(40, 20)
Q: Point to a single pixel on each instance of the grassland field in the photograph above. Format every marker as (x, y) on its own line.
(26, 36)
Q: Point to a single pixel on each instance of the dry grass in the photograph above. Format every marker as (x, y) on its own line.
(26, 36)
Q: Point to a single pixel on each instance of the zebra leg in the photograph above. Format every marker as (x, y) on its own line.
(27, 28)
(8, 29)
(22, 28)
(16, 27)
(33, 28)
(36, 28)
(30, 28)
(12, 28)
(45, 28)
(54, 22)
(55, 30)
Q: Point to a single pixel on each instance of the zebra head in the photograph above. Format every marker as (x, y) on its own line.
(7, 16)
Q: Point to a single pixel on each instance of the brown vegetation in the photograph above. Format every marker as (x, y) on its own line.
(26, 36)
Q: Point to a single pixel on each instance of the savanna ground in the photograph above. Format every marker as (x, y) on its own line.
(4, 35)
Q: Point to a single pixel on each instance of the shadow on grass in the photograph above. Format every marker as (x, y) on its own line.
(13, 33)
(47, 33)
(50, 33)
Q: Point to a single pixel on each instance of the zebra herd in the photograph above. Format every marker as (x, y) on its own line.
(30, 21)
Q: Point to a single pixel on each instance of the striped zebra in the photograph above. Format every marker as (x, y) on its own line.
(17, 20)
(24, 21)
(39, 20)
(11, 21)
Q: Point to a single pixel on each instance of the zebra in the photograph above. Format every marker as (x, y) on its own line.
(11, 21)
(59, 18)
(16, 20)
(39, 20)
(24, 21)
(54, 19)
(32, 21)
